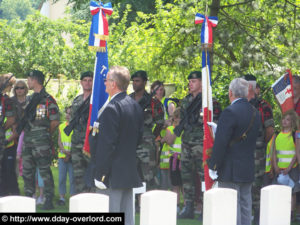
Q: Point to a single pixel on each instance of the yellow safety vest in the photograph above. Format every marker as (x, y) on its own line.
(269, 155)
(176, 147)
(168, 150)
(285, 149)
(8, 134)
(65, 140)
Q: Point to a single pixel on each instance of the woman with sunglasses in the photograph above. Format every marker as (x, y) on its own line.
(20, 92)
(19, 99)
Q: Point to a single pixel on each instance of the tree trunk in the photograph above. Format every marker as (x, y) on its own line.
(214, 7)
(214, 11)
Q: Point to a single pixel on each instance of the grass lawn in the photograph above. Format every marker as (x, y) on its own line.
(66, 207)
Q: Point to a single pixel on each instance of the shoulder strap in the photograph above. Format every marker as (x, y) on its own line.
(294, 133)
(244, 135)
(166, 105)
(2, 108)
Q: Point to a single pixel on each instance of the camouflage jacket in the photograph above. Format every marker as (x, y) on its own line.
(266, 114)
(7, 109)
(153, 114)
(37, 132)
(193, 131)
(217, 109)
(80, 128)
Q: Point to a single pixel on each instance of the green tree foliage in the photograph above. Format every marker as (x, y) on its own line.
(55, 47)
(141, 5)
(80, 8)
(15, 9)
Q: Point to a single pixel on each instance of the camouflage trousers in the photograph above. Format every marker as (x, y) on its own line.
(146, 163)
(260, 162)
(1, 158)
(191, 168)
(37, 157)
(256, 187)
(80, 164)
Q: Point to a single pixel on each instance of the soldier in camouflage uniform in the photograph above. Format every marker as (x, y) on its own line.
(192, 146)
(79, 160)
(7, 119)
(37, 145)
(153, 116)
(265, 134)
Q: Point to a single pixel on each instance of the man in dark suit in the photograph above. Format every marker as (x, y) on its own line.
(232, 159)
(113, 148)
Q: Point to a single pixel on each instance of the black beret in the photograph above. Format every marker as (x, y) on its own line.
(140, 73)
(86, 74)
(195, 75)
(249, 77)
(37, 74)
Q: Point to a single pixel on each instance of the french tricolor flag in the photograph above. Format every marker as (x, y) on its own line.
(99, 27)
(97, 39)
(208, 22)
(207, 104)
(283, 91)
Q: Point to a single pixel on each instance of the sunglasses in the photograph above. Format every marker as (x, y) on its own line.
(105, 80)
(20, 88)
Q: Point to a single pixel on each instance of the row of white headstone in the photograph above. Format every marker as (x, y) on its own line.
(159, 207)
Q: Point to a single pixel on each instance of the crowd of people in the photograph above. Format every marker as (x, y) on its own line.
(138, 140)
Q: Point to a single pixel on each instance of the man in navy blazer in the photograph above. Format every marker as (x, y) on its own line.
(232, 156)
(113, 148)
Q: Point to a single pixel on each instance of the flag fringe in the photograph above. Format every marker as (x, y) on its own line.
(97, 48)
(87, 154)
(209, 152)
(102, 37)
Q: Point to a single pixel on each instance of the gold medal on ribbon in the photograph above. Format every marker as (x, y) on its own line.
(95, 128)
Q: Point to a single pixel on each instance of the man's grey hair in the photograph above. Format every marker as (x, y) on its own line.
(239, 87)
(121, 76)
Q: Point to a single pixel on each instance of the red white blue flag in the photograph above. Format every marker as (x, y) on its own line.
(207, 108)
(283, 91)
(99, 96)
(99, 27)
(207, 103)
(208, 22)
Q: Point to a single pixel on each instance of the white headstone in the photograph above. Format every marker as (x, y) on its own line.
(158, 207)
(17, 204)
(275, 205)
(220, 207)
(89, 202)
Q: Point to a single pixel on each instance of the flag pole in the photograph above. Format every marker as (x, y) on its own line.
(208, 22)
